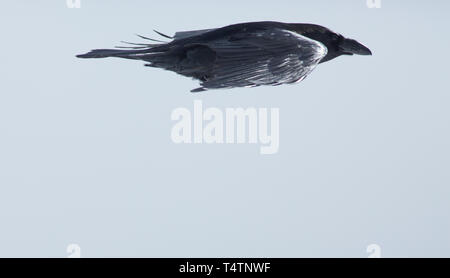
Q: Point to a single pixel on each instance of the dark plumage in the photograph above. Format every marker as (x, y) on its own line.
(242, 55)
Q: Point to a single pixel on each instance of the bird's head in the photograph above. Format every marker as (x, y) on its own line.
(336, 43)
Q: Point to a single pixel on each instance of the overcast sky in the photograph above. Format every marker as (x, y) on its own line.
(86, 155)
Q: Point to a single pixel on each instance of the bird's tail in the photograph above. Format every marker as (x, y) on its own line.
(137, 52)
(105, 53)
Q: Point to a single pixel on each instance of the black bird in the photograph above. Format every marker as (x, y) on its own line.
(242, 55)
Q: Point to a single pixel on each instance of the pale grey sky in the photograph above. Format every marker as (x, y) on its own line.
(86, 155)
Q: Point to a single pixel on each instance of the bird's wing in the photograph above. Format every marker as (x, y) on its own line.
(262, 57)
(188, 34)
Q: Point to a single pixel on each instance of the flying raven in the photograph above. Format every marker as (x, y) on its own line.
(242, 55)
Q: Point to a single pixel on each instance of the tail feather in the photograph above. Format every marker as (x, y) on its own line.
(135, 51)
(104, 53)
(159, 55)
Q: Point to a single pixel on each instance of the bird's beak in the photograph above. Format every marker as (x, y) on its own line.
(349, 46)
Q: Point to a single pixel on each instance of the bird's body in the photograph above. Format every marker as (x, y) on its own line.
(242, 55)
